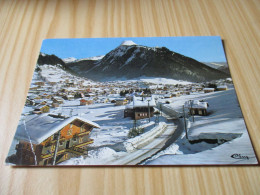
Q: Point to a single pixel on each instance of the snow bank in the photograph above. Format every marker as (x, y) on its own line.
(145, 138)
(95, 157)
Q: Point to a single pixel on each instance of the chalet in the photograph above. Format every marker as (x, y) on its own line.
(52, 83)
(70, 84)
(52, 140)
(55, 105)
(168, 95)
(208, 90)
(90, 95)
(198, 88)
(197, 107)
(79, 95)
(84, 102)
(222, 88)
(176, 94)
(33, 87)
(39, 83)
(140, 108)
(41, 109)
(121, 101)
(57, 100)
(70, 97)
(46, 96)
(29, 102)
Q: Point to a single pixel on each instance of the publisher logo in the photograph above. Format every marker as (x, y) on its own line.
(239, 156)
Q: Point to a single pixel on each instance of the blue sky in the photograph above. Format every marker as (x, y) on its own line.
(201, 48)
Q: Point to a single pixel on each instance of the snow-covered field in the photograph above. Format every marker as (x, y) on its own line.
(224, 123)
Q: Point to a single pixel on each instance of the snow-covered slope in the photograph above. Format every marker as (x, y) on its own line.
(70, 59)
(91, 58)
(224, 123)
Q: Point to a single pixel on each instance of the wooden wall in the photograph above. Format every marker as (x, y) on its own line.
(23, 26)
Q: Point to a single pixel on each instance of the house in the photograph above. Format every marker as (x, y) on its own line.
(52, 83)
(70, 97)
(55, 105)
(176, 94)
(84, 102)
(121, 101)
(41, 109)
(197, 107)
(140, 108)
(39, 83)
(52, 140)
(208, 90)
(57, 100)
(168, 95)
(29, 102)
(222, 88)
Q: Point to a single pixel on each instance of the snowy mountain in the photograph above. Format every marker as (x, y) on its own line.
(131, 61)
(222, 66)
(49, 59)
(128, 42)
(70, 59)
(92, 58)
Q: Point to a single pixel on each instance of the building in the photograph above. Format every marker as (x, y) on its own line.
(140, 108)
(47, 140)
(121, 101)
(197, 107)
(84, 102)
(41, 109)
(222, 88)
(208, 90)
(58, 100)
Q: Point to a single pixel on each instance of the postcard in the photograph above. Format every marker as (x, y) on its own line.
(139, 101)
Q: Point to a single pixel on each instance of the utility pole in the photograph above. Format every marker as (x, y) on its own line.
(149, 110)
(185, 126)
(191, 104)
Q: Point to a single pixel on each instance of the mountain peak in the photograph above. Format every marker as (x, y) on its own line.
(128, 42)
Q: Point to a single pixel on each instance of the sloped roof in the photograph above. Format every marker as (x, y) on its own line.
(141, 102)
(39, 128)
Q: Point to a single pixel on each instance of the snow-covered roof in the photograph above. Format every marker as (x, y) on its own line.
(209, 89)
(196, 104)
(141, 102)
(41, 127)
(222, 87)
(128, 42)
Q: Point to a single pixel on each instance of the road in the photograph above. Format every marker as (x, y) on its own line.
(169, 136)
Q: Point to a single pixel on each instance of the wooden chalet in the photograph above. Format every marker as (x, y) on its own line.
(222, 88)
(58, 100)
(197, 107)
(140, 108)
(41, 109)
(84, 102)
(40, 83)
(120, 102)
(53, 140)
(208, 90)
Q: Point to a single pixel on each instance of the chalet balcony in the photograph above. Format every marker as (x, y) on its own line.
(74, 149)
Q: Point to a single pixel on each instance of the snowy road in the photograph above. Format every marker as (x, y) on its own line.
(147, 151)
